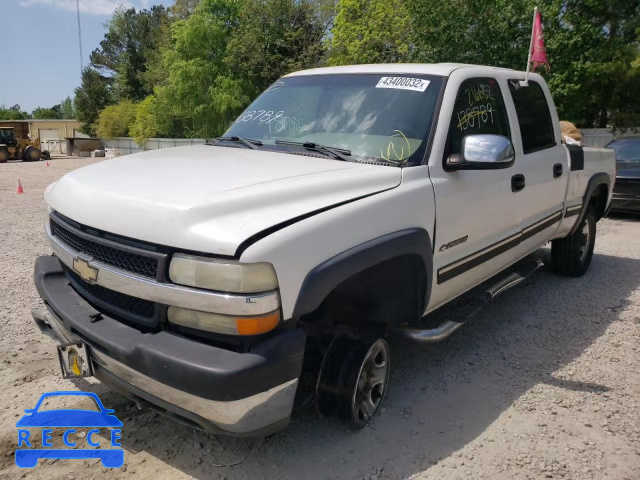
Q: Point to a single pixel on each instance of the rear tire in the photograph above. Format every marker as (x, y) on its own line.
(572, 255)
(4, 154)
(31, 154)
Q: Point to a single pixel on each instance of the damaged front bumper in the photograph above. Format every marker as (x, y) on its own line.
(216, 389)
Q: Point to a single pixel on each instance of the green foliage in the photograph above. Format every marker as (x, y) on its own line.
(47, 113)
(149, 121)
(275, 37)
(67, 109)
(132, 38)
(591, 47)
(371, 31)
(183, 9)
(482, 32)
(92, 96)
(12, 113)
(197, 72)
(200, 62)
(116, 120)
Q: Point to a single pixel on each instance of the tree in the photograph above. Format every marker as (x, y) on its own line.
(47, 113)
(183, 9)
(483, 32)
(152, 121)
(591, 46)
(275, 37)
(12, 113)
(67, 111)
(92, 96)
(116, 120)
(199, 93)
(132, 38)
(371, 31)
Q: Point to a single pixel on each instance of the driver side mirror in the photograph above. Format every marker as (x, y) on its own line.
(482, 152)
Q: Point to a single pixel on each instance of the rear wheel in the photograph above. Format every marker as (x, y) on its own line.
(572, 255)
(31, 154)
(4, 154)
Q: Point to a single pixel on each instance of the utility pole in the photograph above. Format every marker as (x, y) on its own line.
(79, 35)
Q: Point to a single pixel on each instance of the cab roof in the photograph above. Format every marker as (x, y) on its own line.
(441, 69)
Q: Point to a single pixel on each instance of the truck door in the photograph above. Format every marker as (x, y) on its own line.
(542, 160)
(476, 219)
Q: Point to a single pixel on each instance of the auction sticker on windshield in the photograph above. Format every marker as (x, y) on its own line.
(403, 83)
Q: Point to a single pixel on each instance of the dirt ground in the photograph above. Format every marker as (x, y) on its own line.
(544, 383)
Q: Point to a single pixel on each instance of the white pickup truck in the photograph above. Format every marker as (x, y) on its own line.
(344, 206)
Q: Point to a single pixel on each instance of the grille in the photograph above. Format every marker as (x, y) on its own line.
(115, 302)
(139, 264)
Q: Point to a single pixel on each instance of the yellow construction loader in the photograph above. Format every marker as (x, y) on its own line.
(12, 148)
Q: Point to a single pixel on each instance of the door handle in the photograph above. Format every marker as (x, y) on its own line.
(557, 170)
(517, 182)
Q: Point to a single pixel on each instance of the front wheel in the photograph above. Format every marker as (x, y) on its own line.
(572, 255)
(353, 380)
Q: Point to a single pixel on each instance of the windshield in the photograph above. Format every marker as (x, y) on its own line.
(375, 117)
(627, 149)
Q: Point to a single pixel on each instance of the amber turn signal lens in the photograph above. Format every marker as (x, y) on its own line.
(257, 325)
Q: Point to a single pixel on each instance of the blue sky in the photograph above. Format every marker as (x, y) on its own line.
(43, 66)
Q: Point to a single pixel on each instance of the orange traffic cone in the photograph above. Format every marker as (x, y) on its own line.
(47, 164)
(20, 189)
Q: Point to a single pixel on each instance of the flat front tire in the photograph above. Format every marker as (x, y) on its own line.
(353, 380)
(572, 255)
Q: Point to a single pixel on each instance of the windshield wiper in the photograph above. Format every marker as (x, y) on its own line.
(339, 153)
(249, 142)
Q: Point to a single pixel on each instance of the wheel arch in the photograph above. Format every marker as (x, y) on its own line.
(412, 244)
(596, 195)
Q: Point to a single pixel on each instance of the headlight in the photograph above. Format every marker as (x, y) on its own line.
(222, 275)
(226, 324)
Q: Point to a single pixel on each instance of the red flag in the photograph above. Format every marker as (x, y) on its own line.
(538, 51)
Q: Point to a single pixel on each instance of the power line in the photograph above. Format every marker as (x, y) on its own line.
(79, 35)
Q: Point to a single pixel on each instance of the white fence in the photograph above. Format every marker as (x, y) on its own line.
(125, 145)
(600, 137)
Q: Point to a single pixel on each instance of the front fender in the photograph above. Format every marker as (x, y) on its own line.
(325, 277)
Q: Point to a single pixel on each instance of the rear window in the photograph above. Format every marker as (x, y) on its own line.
(536, 128)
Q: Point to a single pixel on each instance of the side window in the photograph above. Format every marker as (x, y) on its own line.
(534, 117)
(479, 108)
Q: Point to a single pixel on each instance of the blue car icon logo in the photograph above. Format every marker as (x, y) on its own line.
(68, 419)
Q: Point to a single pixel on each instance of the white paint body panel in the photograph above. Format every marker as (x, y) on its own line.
(211, 199)
(208, 198)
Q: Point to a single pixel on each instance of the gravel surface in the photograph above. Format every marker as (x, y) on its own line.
(544, 383)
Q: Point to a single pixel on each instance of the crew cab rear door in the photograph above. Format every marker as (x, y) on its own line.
(540, 158)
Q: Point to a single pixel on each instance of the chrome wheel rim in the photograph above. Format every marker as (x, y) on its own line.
(372, 383)
(585, 238)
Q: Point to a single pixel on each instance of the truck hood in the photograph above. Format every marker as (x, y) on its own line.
(209, 198)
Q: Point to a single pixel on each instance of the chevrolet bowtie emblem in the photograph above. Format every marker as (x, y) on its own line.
(87, 272)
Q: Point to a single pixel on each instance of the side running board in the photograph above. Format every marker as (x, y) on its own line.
(442, 324)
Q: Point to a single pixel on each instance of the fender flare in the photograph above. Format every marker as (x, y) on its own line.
(325, 277)
(595, 181)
